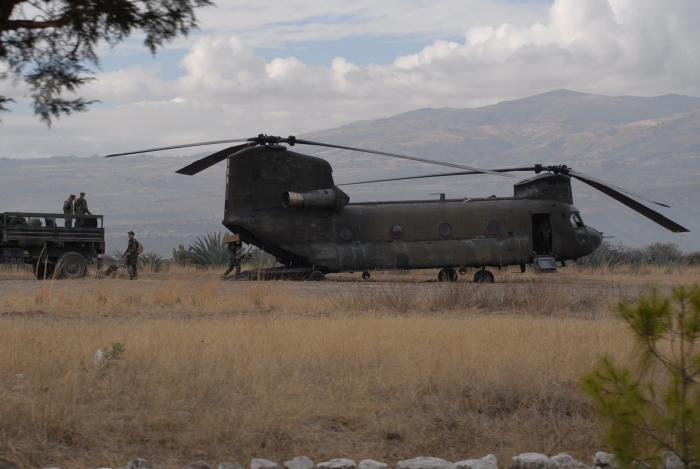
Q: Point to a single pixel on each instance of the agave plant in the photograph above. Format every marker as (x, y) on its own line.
(257, 257)
(152, 260)
(208, 251)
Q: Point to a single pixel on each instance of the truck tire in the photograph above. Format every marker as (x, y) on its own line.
(44, 268)
(71, 265)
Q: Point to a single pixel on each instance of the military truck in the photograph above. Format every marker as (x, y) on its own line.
(54, 250)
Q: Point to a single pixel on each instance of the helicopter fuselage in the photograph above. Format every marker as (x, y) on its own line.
(540, 220)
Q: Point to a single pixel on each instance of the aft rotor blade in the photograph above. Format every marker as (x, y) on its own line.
(208, 161)
(437, 175)
(633, 204)
(394, 155)
(586, 178)
(138, 152)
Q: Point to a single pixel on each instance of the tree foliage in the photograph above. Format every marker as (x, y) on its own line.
(50, 44)
(653, 410)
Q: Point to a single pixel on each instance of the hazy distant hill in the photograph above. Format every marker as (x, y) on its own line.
(651, 145)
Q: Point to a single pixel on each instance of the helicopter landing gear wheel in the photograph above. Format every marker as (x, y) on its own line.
(483, 276)
(462, 270)
(316, 276)
(71, 265)
(365, 275)
(447, 275)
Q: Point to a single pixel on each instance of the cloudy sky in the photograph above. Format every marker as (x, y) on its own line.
(291, 67)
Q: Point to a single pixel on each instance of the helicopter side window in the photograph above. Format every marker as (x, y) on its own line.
(576, 221)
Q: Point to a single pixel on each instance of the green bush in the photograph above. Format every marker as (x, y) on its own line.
(653, 410)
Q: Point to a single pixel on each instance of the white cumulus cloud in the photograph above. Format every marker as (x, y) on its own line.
(636, 47)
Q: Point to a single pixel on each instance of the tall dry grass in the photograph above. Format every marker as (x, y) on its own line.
(534, 299)
(276, 386)
(234, 370)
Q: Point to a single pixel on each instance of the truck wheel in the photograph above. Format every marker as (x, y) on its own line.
(44, 268)
(71, 265)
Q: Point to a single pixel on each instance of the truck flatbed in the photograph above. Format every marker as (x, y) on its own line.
(52, 248)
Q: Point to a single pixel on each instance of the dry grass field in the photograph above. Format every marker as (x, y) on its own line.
(391, 368)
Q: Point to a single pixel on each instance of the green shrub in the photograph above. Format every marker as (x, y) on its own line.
(653, 409)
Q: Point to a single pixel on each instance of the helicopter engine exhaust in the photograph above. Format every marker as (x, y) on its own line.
(323, 199)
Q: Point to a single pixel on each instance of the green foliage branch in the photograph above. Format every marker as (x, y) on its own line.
(50, 44)
(653, 410)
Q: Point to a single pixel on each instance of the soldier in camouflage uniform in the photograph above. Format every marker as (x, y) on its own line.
(233, 260)
(81, 208)
(68, 209)
(132, 256)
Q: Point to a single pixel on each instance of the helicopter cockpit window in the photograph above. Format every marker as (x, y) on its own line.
(576, 221)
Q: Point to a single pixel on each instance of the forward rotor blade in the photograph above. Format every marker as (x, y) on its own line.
(180, 146)
(633, 204)
(394, 155)
(585, 178)
(208, 161)
(437, 175)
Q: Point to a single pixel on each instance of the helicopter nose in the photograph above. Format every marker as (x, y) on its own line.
(595, 236)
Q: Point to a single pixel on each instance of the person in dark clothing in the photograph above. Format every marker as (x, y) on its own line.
(69, 209)
(132, 256)
(233, 259)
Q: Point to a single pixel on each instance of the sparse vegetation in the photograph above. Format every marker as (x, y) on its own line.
(658, 254)
(653, 408)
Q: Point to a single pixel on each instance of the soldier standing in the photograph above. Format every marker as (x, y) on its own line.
(69, 209)
(233, 260)
(132, 256)
(81, 208)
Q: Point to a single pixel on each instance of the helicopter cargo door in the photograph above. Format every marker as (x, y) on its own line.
(542, 234)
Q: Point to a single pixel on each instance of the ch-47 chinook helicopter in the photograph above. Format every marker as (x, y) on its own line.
(287, 204)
